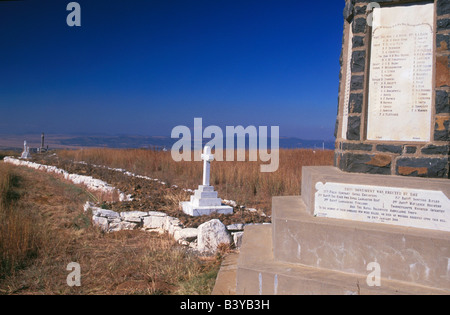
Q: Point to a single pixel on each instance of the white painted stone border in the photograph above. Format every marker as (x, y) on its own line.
(99, 185)
(204, 239)
(91, 183)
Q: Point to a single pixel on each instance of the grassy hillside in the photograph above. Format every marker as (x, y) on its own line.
(43, 228)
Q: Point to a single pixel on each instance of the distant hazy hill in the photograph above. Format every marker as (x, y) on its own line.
(117, 141)
(127, 141)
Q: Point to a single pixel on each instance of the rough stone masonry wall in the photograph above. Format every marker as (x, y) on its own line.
(355, 154)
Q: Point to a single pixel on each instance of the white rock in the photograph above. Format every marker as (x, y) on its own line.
(136, 220)
(237, 238)
(128, 225)
(157, 214)
(171, 225)
(134, 216)
(230, 202)
(123, 197)
(188, 235)
(105, 213)
(155, 220)
(210, 235)
(87, 206)
(235, 227)
(115, 226)
(101, 222)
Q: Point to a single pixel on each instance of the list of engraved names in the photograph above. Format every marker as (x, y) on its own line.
(400, 88)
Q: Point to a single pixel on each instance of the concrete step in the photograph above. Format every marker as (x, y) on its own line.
(259, 273)
(226, 278)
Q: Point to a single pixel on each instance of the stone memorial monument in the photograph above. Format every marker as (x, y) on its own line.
(378, 222)
(42, 149)
(205, 200)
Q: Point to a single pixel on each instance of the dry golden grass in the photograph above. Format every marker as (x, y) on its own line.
(18, 237)
(43, 227)
(59, 232)
(240, 181)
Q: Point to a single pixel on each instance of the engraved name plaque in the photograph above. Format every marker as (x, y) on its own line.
(401, 74)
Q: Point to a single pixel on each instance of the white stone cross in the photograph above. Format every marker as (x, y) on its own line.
(205, 201)
(26, 151)
(207, 158)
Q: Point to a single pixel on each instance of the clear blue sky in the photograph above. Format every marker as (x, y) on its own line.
(144, 67)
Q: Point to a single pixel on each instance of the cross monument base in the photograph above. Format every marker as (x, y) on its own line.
(205, 202)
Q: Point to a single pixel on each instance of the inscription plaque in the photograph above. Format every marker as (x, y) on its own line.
(424, 209)
(401, 74)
